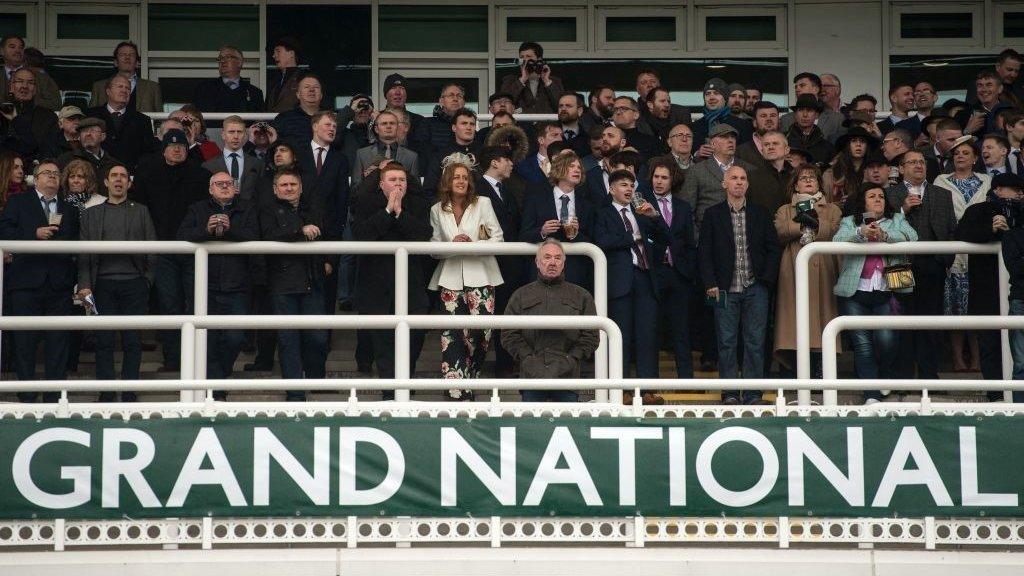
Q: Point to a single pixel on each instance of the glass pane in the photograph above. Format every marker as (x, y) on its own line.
(13, 24)
(179, 91)
(684, 78)
(433, 29)
(739, 29)
(344, 67)
(92, 26)
(423, 92)
(206, 27)
(541, 30)
(950, 74)
(75, 75)
(640, 29)
(938, 25)
(1013, 25)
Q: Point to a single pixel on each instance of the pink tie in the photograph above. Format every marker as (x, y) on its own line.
(666, 214)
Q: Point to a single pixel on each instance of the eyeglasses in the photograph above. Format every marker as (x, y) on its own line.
(222, 59)
(50, 173)
(890, 140)
(914, 162)
(623, 109)
(452, 95)
(807, 179)
(223, 184)
(683, 136)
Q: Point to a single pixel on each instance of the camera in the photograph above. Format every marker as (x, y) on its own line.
(535, 66)
(805, 214)
(7, 108)
(364, 104)
(260, 127)
(186, 122)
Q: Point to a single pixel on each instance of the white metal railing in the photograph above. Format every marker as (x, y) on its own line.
(803, 304)
(267, 116)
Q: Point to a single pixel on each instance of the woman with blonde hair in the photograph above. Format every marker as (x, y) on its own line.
(466, 283)
(78, 185)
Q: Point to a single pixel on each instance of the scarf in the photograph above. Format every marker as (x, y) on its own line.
(715, 116)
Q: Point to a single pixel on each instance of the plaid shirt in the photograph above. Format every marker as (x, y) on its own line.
(742, 276)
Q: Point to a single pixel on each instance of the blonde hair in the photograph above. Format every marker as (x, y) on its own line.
(83, 167)
(444, 187)
(560, 165)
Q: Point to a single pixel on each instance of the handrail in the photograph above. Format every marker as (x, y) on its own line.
(265, 116)
(803, 289)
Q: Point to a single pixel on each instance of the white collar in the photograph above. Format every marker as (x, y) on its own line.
(492, 181)
(620, 207)
(314, 145)
(122, 111)
(559, 192)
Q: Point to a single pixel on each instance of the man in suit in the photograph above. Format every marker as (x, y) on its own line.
(534, 89)
(12, 49)
(703, 186)
(245, 169)
(947, 130)
(561, 211)
(901, 102)
(145, 94)
(229, 92)
(1015, 135)
(387, 148)
(995, 151)
(739, 257)
(389, 214)
(283, 84)
(496, 162)
(625, 115)
(673, 262)
(40, 284)
(535, 168)
(570, 111)
(830, 121)
(929, 210)
(598, 183)
(129, 132)
(625, 234)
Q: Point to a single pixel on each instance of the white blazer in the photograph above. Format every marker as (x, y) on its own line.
(458, 272)
(960, 206)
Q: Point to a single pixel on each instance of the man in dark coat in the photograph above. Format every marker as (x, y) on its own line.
(129, 132)
(27, 128)
(805, 134)
(229, 92)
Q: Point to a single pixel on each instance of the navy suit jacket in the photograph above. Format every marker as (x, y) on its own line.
(506, 209)
(23, 214)
(329, 188)
(680, 241)
(538, 208)
(611, 236)
(597, 193)
(529, 169)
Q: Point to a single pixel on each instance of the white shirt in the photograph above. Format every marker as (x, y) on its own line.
(241, 161)
(122, 112)
(557, 194)
(632, 222)
(724, 167)
(314, 146)
(873, 284)
(50, 208)
(10, 71)
(494, 184)
(919, 189)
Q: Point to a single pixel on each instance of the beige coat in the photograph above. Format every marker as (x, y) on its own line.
(823, 273)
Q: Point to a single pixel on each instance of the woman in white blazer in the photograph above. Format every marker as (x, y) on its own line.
(967, 188)
(466, 283)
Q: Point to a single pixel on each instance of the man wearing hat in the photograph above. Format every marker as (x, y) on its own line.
(805, 134)
(168, 184)
(703, 186)
(396, 95)
(717, 112)
(91, 134)
(994, 220)
(283, 83)
(66, 139)
(830, 121)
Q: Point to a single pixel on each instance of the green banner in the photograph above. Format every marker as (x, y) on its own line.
(860, 467)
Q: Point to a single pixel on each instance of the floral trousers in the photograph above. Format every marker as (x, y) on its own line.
(463, 351)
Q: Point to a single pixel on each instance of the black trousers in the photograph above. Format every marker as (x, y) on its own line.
(922, 347)
(42, 301)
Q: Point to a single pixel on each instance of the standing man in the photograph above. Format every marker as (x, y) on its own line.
(129, 132)
(296, 280)
(600, 101)
(535, 168)
(680, 146)
(739, 265)
(980, 119)
(925, 98)
(570, 111)
(929, 210)
(550, 353)
(703, 186)
(67, 121)
(118, 282)
(283, 84)
(832, 92)
(40, 284)
(534, 89)
(462, 138)
(625, 115)
(769, 184)
(717, 113)
(388, 147)
(229, 92)
(92, 132)
(245, 169)
(28, 128)
(224, 217)
(396, 96)
(437, 130)
(1007, 71)
(145, 94)
(805, 134)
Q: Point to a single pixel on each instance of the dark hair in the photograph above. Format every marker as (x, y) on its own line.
(650, 71)
(557, 146)
(287, 172)
(289, 43)
(762, 104)
(595, 92)
(999, 139)
(462, 112)
(675, 175)
(795, 178)
(897, 86)
(273, 150)
(989, 74)
(580, 101)
(9, 36)
(857, 201)
(755, 88)
(131, 45)
(1011, 116)
(502, 114)
(863, 98)
(814, 78)
(1009, 54)
(34, 57)
(947, 124)
(627, 158)
(111, 166)
(490, 154)
(541, 128)
(632, 101)
(653, 93)
(309, 74)
(617, 175)
(537, 48)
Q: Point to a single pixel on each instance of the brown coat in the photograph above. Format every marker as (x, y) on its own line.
(823, 273)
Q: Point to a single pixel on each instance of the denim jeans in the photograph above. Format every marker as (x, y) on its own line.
(749, 310)
(875, 352)
(223, 346)
(173, 282)
(302, 352)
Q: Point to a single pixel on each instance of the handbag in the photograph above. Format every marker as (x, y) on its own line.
(898, 276)
(482, 234)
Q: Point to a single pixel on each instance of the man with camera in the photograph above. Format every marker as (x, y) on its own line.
(29, 129)
(355, 121)
(244, 169)
(534, 90)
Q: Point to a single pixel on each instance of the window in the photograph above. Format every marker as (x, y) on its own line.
(75, 75)
(344, 67)
(203, 27)
(640, 28)
(19, 18)
(739, 27)
(950, 74)
(1013, 25)
(937, 25)
(433, 28)
(1009, 24)
(90, 28)
(553, 28)
(16, 23)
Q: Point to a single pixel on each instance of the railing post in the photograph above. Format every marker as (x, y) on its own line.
(1004, 334)
(200, 308)
(803, 321)
(601, 306)
(188, 347)
(402, 368)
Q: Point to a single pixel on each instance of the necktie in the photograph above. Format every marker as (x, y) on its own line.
(563, 214)
(569, 134)
(233, 84)
(49, 206)
(994, 172)
(666, 215)
(387, 152)
(637, 248)
(319, 159)
(234, 165)
(500, 188)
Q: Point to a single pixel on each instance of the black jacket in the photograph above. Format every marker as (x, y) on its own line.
(228, 272)
(1013, 256)
(290, 273)
(168, 191)
(982, 269)
(214, 95)
(717, 247)
(129, 140)
(436, 135)
(433, 174)
(100, 165)
(32, 133)
(681, 241)
(22, 216)
(815, 144)
(329, 189)
(295, 127)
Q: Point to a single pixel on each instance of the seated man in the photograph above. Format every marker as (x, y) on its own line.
(550, 353)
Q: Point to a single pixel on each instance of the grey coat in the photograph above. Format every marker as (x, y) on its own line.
(252, 169)
(703, 185)
(830, 122)
(139, 226)
(367, 156)
(933, 220)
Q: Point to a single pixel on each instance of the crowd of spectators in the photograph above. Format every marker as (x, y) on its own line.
(701, 218)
